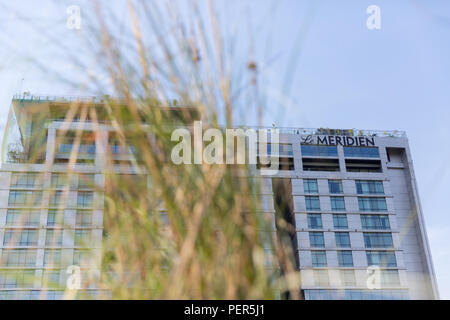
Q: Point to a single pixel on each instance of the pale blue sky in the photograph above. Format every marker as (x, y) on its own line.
(343, 76)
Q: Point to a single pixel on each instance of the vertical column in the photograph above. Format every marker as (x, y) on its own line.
(51, 140)
(101, 145)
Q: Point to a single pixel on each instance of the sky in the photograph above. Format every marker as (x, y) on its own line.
(324, 68)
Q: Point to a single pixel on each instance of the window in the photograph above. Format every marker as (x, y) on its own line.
(21, 238)
(319, 151)
(316, 239)
(82, 237)
(55, 218)
(342, 239)
(381, 258)
(50, 278)
(85, 199)
(321, 278)
(319, 258)
(81, 257)
(369, 187)
(16, 279)
(390, 278)
(335, 186)
(372, 204)
(86, 181)
(56, 198)
(377, 240)
(25, 180)
(348, 278)
(23, 217)
(59, 180)
(285, 149)
(345, 258)
(83, 218)
(310, 186)
(52, 258)
(53, 238)
(314, 221)
(361, 152)
(19, 257)
(337, 204)
(340, 221)
(24, 198)
(312, 203)
(369, 221)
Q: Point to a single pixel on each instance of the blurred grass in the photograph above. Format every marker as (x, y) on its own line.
(190, 231)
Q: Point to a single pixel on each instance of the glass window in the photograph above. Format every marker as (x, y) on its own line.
(310, 185)
(53, 238)
(25, 180)
(285, 149)
(86, 181)
(314, 221)
(348, 278)
(390, 278)
(381, 258)
(16, 279)
(316, 239)
(340, 221)
(52, 257)
(312, 203)
(377, 240)
(83, 218)
(361, 152)
(24, 198)
(23, 217)
(51, 278)
(82, 237)
(321, 278)
(55, 218)
(85, 199)
(59, 180)
(369, 187)
(56, 198)
(369, 221)
(319, 151)
(81, 257)
(342, 239)
(372, 204)
(345, 258)
(335, 186)
(319, 258)
(337, 204)
(19, 257)
(21, 238)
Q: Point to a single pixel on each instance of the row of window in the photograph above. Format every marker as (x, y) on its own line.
(30, 237)
(371, 239)
(368, 221)
(331, 151)
(387, 278)
(372, 204)
(335, 186)
(49, 295)
(52, 257)
(356, 294)
(57, 198)
(31, 217)
(58, 180)
(345, 258)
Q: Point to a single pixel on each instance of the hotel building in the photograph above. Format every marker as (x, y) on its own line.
(351, 195)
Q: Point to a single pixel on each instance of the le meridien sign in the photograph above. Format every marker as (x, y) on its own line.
(346, 141)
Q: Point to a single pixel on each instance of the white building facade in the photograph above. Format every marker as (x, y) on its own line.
(359, 229)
